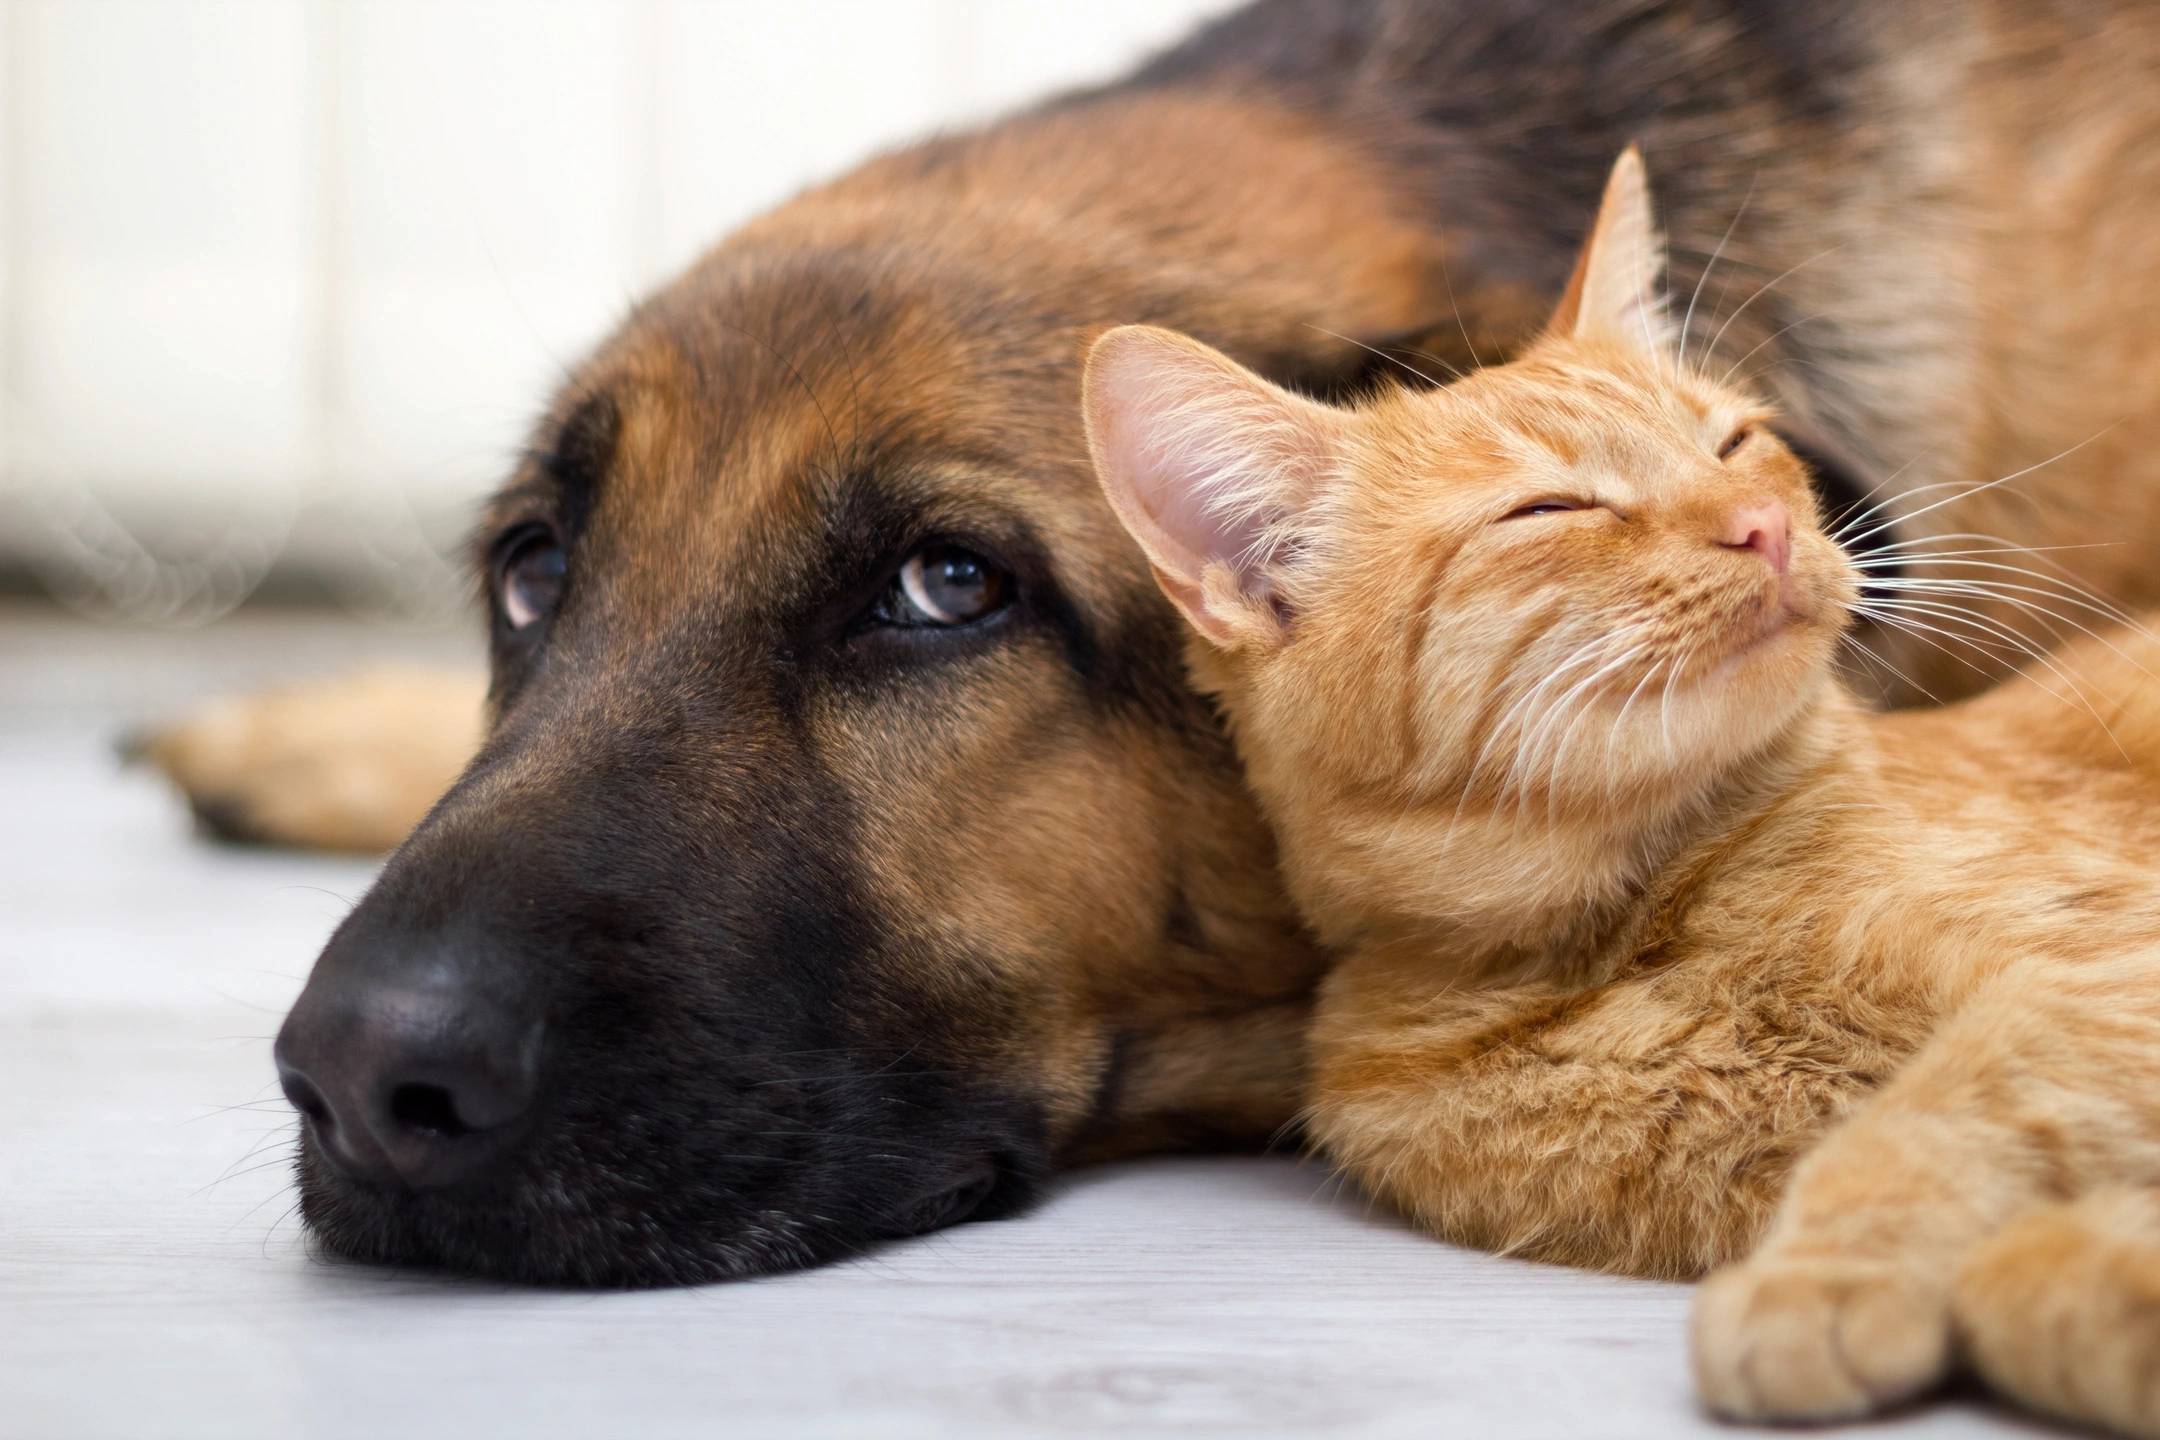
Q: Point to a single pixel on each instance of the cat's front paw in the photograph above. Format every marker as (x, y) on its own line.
(1782, 1338)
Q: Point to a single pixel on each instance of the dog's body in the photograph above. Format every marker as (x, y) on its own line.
(824, 926)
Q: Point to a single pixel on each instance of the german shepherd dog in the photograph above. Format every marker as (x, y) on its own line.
(846, 851)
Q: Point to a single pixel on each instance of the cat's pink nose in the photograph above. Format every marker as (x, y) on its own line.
(1766, 527)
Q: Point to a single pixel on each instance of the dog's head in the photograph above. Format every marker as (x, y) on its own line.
(848, 849)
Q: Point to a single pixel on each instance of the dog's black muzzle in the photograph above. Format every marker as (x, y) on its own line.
(592, 1046)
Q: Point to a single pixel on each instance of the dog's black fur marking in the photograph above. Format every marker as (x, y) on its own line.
(738, 1086)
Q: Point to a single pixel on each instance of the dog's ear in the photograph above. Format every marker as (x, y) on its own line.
(1616, 294)
(1208, 466)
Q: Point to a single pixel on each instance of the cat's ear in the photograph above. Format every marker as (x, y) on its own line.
(1616, 293)
(1208, 466)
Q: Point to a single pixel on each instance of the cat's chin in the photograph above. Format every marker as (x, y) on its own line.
(1769, 642)
(1767, 677)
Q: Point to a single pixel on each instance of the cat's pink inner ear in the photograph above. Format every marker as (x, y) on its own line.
(1202, 461)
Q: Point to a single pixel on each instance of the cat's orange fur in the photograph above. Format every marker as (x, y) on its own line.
(1662, 953)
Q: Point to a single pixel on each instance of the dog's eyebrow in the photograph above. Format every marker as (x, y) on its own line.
(562, 476)
(579, 458)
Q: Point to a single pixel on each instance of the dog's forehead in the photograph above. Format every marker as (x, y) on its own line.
(741, 416)
(768, 425)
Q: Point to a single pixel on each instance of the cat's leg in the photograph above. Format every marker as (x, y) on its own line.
(2061, 1310)
(2033, 1092)
(346, 764)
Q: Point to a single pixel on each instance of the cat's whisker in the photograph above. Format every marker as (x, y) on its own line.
(1906, 559)
(1765, 288)
(1770, 339)
(2009, 638)
(1997, 542)
(1879, 560)
(2011, 593)
(1582, 712)
(1938, 573)
(1944, 609)
(1837, 520)
(1502, 726)
(1454, 371)
(1995, 653)
(2056, 582)
(1665, 699)
(1382, 354)
(1992, 653)
(1620, 720)
(1515, 786)
(1981, 488)
(1837, 535)
(1875, 657)
(1528, 752)
(1449, 282)
(1999, 592)
(1961, 489)
(1687, 322)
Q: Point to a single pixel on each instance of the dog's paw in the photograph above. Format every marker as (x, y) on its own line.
(345, 764)
(1782, 1338)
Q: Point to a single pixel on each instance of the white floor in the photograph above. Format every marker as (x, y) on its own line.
(152, 1282)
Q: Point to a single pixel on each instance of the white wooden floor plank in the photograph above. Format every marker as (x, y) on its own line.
(140, 1295)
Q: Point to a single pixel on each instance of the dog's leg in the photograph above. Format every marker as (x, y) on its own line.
(346, 764)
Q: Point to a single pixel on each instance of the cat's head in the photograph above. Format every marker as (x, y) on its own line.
(1586, 585)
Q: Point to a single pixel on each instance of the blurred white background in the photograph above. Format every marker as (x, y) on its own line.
(282, 281)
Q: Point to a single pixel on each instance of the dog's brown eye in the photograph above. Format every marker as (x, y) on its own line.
(946, 585)
(529, 577)
(1734, 441)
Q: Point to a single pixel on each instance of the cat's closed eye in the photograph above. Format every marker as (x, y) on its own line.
(1543, 507)
(1734, 441)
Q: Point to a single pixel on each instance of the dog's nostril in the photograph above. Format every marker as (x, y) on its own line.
(415, 1086)
(305, 1098)
(427, 1107)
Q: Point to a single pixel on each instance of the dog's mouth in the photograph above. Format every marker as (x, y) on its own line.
(610, 1230)
(956, 1201)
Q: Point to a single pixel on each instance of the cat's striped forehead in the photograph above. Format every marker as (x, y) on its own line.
(1557, 409)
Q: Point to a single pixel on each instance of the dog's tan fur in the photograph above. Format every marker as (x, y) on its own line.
(1685, 959)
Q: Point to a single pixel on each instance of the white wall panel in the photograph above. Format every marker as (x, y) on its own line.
(165, 229)
(10, 220)
(757, 101)
(1012, 51)
(298, 273)
(481, 233)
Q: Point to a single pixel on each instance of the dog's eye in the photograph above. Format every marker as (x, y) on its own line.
(1734, 441)
(529, 575)
(944, 584)
(1541, 507)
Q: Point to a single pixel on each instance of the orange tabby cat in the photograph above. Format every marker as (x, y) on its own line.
(1661, 952)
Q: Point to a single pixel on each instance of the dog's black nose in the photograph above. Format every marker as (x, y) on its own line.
(410, 1082)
